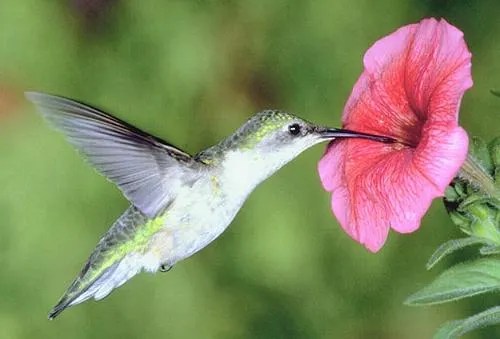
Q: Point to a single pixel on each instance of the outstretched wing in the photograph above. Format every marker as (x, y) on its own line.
(148, 170)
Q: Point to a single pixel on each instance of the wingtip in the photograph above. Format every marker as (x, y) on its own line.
(36, 98)
(31, 96)
(40, 97)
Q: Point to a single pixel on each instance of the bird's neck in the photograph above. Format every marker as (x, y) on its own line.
(242, 171)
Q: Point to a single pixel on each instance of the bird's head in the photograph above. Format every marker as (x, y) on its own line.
(272, 138)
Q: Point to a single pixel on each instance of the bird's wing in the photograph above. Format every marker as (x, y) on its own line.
(148, 170)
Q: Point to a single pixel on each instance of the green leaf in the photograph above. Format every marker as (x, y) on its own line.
(495, 92)
(461, 221)
(484, 225)
(451, 194)
(473, 199)
(461, 281)
(489, 250)
(494, 149)
(452, 246)
(457, 328)
(460, 188)
(478, 148)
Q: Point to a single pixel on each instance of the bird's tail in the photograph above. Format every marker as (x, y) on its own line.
(91, 285)
(122, 253)
(98, 285)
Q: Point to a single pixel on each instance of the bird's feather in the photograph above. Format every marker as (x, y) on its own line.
(123, 252)
(148, 170)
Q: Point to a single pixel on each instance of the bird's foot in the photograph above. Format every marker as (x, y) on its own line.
(165, 267)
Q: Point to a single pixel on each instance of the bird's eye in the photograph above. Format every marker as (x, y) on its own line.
(294, 129)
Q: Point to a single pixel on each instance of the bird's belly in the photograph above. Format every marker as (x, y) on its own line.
(192, 224)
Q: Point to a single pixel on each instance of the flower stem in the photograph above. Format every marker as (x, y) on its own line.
(473, 172)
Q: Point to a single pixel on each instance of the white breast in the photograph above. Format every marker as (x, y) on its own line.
(197, 217)
(202, 212)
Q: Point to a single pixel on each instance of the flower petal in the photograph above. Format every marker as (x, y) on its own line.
(438, 70)
(419, 72)
(356, 202)
(331, 166)
(411, 89)
(379, 105)
(373, 236)
(442, 150)
(388, 187)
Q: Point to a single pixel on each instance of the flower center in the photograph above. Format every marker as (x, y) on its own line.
(410, 129)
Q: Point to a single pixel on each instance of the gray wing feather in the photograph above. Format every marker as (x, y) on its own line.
(147, 169)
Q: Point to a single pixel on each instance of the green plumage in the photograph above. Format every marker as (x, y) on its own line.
(130, 233)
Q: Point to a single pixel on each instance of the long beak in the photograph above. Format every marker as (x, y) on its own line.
(334, 133)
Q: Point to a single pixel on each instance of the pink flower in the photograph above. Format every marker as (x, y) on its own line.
(411, 89)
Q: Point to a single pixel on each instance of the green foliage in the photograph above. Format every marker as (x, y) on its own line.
(457, 328)
(476, 213)
(494, 151)
(452, 246)
(479, 148)
(461, 281)
(490, 250)
(495, 92)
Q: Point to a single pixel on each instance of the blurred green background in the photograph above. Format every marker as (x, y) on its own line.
(192, 71)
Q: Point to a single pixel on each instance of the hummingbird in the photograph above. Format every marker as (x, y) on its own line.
(178, 203)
